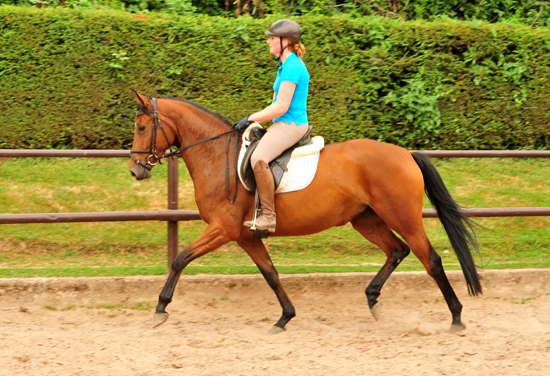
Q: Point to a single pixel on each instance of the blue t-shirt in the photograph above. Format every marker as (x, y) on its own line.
(294, 70)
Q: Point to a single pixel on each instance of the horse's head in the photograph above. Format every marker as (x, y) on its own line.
(151, 139)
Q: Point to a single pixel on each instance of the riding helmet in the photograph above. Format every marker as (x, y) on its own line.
(286, 29)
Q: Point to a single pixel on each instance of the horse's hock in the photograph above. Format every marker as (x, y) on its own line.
(115, 290)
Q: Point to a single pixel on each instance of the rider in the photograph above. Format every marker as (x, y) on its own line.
(288, 112)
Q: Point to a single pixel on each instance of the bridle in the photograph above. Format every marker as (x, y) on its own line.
(153, 148)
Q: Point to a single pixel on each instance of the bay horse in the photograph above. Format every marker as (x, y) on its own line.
(377, 187)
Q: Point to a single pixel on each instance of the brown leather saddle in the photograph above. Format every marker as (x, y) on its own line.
(278, 166)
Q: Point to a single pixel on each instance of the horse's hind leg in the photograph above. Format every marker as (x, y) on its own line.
(416, 238)
(208, 241)
(377, 232)
(432, 262)
(258, 253)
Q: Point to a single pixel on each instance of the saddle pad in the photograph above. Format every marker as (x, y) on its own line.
(301, 166)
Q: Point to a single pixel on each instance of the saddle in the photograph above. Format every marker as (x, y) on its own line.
(278, 166)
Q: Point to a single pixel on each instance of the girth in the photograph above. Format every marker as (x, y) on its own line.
(278, 166)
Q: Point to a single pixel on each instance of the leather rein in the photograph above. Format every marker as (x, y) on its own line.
(153, 149)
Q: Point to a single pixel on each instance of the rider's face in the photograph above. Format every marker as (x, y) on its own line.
(275, 45)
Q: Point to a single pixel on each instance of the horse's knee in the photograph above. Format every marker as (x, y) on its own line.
(399, 254)
(182, 259)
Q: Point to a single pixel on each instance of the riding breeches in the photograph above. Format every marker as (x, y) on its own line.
(279, 137)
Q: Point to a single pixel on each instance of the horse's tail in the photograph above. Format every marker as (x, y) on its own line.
(458, 226)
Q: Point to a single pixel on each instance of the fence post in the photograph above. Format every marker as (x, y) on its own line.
(172, 205)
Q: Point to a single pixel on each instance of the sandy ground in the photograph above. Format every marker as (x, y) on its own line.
(218, 326)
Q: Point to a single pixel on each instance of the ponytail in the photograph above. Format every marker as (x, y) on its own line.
(298, 48)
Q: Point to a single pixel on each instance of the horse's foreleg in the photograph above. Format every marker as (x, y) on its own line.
(377, 232)
(208, 241)
(255, 248)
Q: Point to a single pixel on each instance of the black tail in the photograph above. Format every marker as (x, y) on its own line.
(458, 226)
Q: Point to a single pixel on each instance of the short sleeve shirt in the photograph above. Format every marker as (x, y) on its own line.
(294, 70)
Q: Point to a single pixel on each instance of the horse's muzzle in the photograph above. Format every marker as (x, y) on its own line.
(139, 172)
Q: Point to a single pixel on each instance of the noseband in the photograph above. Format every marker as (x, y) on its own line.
(153, 148)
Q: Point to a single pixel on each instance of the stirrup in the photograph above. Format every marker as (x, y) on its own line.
(257, 212)
(252, 223)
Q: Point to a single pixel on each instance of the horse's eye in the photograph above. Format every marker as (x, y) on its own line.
(141, 128)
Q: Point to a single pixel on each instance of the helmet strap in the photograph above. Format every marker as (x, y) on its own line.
(282, 48)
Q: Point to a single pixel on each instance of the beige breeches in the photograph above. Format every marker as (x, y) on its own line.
(279, 137)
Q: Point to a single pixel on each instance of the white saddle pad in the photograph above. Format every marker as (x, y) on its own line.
(301, 166)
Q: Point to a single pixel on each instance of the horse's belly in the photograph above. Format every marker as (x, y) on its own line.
(308, 216)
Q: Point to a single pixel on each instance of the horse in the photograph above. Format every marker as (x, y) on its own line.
(377, 187)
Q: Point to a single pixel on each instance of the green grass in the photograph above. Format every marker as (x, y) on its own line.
(121, 307)
(59, 185)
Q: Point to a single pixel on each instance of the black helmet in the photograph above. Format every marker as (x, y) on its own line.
(286, 29)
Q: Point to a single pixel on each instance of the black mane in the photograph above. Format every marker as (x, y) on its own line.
(201, 108)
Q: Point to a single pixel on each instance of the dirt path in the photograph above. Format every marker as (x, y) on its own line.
(218, 326)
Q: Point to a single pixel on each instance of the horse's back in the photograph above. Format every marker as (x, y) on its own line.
(371, 150)
(371, 161)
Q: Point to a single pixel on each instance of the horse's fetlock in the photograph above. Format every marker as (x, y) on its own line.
(164, 300)
(290, 313)
(373, 291)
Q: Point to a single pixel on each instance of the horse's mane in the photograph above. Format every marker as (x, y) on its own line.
(201, 108)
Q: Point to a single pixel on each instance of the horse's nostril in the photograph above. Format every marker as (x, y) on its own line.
(132, 173)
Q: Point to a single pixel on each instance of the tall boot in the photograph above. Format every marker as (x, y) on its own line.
(266, 190)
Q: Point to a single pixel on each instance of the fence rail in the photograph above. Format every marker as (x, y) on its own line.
(15, 153)
(173, 215)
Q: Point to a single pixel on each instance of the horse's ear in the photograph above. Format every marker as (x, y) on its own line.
(142, 99)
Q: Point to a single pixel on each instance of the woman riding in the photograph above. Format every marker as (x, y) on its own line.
(288, 112)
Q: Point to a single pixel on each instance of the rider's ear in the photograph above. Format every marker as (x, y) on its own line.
(142, 99)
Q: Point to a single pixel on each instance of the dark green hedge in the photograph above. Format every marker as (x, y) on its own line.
(65, 77)
(531, 12)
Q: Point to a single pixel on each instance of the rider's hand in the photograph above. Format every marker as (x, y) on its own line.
(243, 124)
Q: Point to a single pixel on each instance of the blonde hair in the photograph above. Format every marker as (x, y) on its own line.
(298, 48)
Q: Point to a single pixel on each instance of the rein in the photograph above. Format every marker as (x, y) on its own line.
(153, 149)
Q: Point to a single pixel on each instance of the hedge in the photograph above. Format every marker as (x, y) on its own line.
(531, 12)
(66, 75)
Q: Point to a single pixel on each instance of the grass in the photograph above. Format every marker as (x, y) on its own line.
(121, 307)
(60, 185)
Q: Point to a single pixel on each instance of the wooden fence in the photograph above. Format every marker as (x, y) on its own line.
(172, 215)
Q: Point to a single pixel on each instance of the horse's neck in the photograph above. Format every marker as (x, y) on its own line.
(206, 161)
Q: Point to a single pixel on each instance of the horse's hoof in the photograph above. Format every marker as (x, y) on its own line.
(455, 328)
(376, 311)
(159, 318)
(276, 330)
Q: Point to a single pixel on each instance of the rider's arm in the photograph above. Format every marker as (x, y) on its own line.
(279, 108)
